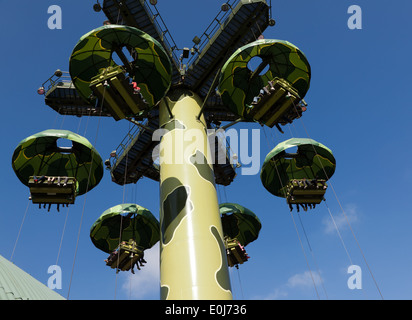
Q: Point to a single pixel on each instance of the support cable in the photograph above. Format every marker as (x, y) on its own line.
(61, 239)
(344, 214)
(313, 256)
(212, 87)
(121, 217)
(240, 282)
(231, 277)
(85, 197)
(68, 208)
(21, 226)
(297, 231)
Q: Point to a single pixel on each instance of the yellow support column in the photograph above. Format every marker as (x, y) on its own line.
(193, 263)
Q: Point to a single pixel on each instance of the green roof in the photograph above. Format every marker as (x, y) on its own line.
(16, 284)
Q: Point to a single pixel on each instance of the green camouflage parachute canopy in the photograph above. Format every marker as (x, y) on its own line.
(237, 87)
(311, 161)
(122, 223)
(239, 222)
(151, 68)
(40, 155)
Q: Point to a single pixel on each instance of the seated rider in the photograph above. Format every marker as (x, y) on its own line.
(136, 90)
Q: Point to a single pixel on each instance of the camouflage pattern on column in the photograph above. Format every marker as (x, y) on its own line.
(193, 263)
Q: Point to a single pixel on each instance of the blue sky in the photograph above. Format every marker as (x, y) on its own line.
(358, 107)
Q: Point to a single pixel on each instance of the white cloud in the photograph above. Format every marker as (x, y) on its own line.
(145, 283)
(340, 221)
(299, 281)
(276, 294)
(302, 280)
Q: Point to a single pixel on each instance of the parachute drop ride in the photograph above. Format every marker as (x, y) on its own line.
(125, 231)
(299, 177)
(124, 90)
(240, 227)
(273, 92)
(57, 174)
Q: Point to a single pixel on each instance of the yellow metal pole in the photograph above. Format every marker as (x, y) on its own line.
(193, 263)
